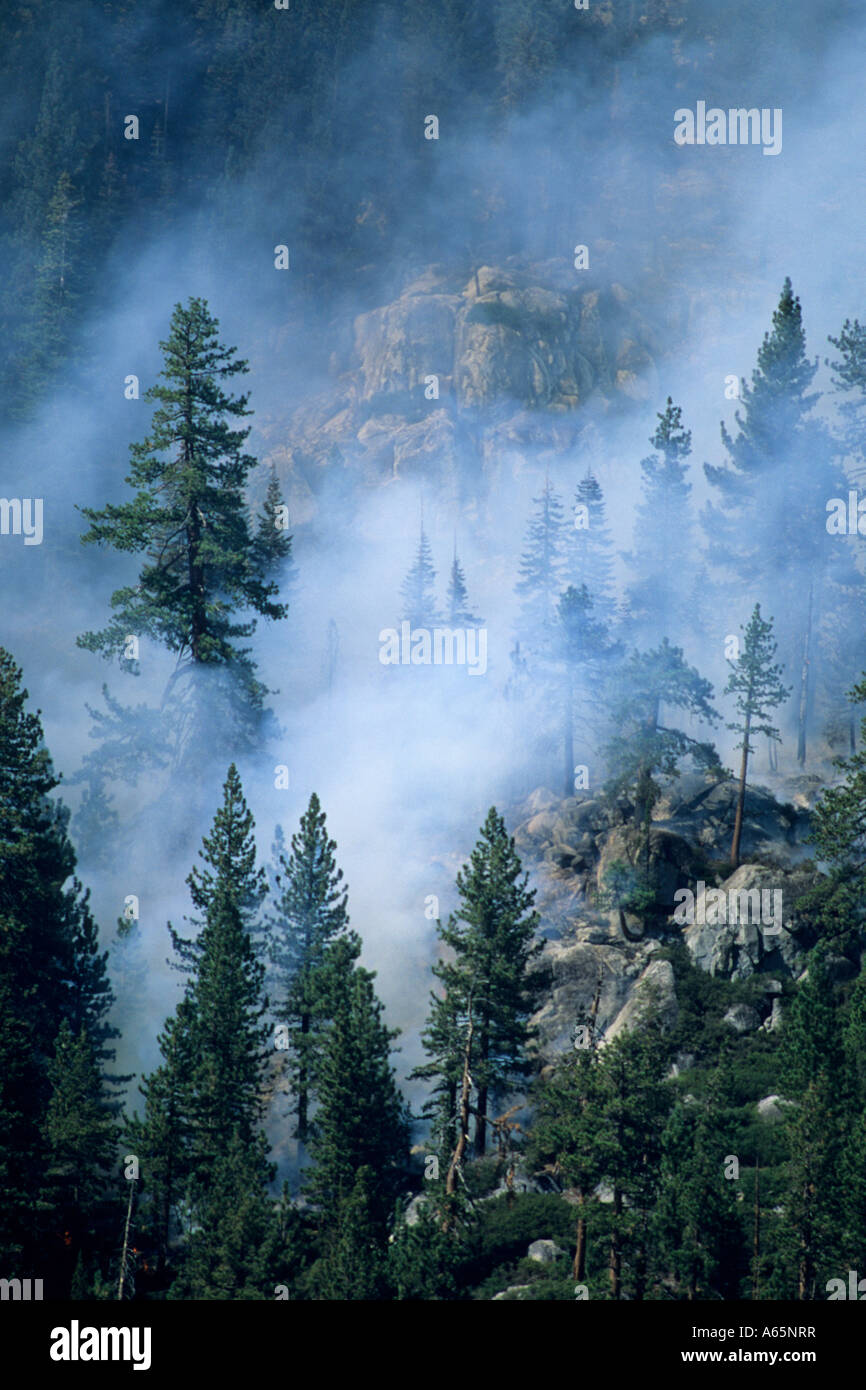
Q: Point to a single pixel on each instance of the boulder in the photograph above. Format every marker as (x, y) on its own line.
(771, 1109)
(654, 989)
(742, 1018)
(546, 1252)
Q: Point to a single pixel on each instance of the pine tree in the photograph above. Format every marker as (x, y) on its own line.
(203, 571)
(754, 679)
(457, 610)
(695, 1222)
(814, 1077)
(161, 1137)
(647, 748)
(51, 969)
(655, 603)
(234, 1247)
(541, 567)
(417, 590)
(777, 480)
(583, 650)
(309, 913)
(489, 985)
(209, 1087)
(272, 545)
(229, 856)
(589, 551)
(361, 1131)
(81, 1138)
(634, 1102)
(563, 1137)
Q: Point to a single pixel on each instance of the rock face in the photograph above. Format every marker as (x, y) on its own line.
(738, 949)
(524, 348)
(605, 959)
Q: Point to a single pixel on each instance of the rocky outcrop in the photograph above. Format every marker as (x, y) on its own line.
(482, 368)
(738, 949)
(603, 958)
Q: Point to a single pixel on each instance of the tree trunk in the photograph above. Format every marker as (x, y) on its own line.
(615, 1264)
(578, 1269)
(481, 1111)
(123, 1254)
(463, 1135)
(804, 685)
(303, 1084)
(741, 796)
(756, 1239)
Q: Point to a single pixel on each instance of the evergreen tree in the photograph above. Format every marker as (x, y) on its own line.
(589, 552)
(754, 679)
(655, 600)
(209, 1087)
(51, 970)
(309, 913)
(647, 748)
(777, 480)
(583, 650)
(417, 590)
(81, 1138)
(361, 1131)
(541, 567)
(489, 986)
(457, 611)
(815, 1079)
(233, 1250)
(700, 1240)
(204, 569)
(634, 1102)
(563, 1137)
(229, 857)
(272, 545)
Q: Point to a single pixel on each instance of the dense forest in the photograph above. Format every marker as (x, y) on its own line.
(612, 888)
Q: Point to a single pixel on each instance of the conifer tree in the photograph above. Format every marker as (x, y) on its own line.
(695, 1220)
(81, 1138)
(417, 591)
(754, 679)
(589, 551)
(655, 603)
(272, 544)
(234, 1248)
(563, 1137)
(360, 1145)
(777, 480)
(228, 854)
(208, 1090)
(203, 575)
(541, 567)
(309, 913)
(647, 748)
(583, 648)
(814, 1077)
(490, 986)
(51, 969)
(634, 1102)
(457, 610)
